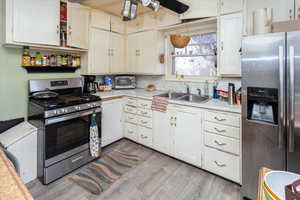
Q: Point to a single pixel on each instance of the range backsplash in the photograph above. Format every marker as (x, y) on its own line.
(162, 84)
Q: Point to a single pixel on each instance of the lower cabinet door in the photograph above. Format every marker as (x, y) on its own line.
(223, 164)
(188, 137)
(131, 131)
(111, 121)
(161, 132)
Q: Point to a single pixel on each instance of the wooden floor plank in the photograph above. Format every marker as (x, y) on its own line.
(159, 177)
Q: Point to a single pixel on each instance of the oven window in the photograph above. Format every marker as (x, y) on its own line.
(67, 135)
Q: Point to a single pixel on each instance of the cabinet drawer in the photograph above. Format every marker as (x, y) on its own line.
(219, 129)
(222, 143)
(223, 118)
(131, 118)
(131, 101)
(131, 131)
(144, 104)
(130, 109)
(144, 112)
(223, 164)
(145, 136)
(146, 122)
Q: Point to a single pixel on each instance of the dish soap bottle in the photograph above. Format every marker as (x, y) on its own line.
(94, 137)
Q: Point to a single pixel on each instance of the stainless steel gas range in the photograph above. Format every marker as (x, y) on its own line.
(62, 113)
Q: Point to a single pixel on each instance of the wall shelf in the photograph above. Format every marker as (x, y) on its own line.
(42, 69)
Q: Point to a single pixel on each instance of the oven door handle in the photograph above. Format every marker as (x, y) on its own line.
(71, 116)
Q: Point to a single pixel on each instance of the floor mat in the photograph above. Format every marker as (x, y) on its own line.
(98, 176)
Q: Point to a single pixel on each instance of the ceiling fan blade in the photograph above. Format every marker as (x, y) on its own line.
(174, 5)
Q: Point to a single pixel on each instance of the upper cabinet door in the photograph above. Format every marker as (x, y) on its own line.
(78, 26)
(117, 46)
(283, 10)
(230, 6)
(132, 53)
(100, 20)
(200, 9)
(99, 54)
(297, 9)
(36, 21)
(230, 44)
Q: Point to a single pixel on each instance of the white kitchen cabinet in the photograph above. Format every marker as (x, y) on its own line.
(117, 53)
(161, 132)
(100, 20)
(106, 53)
(187, 137)
(283, 10)
(143, 22)
(230, 6)
(143, 51)
(117, 25)
(297, 9)
(230, 39)
(35, 21)
(78, 26)
(98, 55)
(112, 129)
(200, 9)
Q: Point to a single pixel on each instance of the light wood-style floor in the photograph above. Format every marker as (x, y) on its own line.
(159, 177)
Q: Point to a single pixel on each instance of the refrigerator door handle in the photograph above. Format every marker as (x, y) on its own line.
(291, 134)
(281, 98)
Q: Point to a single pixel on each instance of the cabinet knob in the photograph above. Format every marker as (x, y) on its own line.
(219, 165)
(220, 143)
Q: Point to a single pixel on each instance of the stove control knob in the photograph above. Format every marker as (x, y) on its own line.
(62, 110)
(54, 112)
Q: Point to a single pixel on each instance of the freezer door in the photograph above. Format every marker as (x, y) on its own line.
(293, 89)
(263, 66)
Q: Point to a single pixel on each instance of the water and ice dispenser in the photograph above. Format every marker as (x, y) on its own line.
(262, 104)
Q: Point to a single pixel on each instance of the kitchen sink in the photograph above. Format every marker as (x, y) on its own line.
(172, 95)
(184, 97)
(193, 98)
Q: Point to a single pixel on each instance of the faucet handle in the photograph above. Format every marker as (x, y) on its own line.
(199, 91)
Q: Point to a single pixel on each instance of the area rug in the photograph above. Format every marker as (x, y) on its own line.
(98, 176)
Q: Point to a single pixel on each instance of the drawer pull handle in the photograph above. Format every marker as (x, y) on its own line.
(77, 159)
(144, 137)
(220, 131)
(218, 119)
(144, 122)
(144, 113)
(219, 165)
(131, 118)
(130, 132)
(144, 105)
(220, 143)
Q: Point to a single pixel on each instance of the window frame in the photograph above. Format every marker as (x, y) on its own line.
(169, 60)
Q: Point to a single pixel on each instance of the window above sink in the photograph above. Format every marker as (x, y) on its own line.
(198, 60)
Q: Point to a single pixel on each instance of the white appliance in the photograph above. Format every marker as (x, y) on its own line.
(21, 141)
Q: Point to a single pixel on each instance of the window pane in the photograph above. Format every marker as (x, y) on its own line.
(195, 66)
(205, 38)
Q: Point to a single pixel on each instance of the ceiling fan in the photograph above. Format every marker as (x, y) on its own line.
(173, 5)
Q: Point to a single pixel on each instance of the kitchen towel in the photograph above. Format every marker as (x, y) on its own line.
(159, 104)
(94, 138)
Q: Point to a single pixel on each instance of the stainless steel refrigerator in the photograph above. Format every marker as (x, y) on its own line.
(270, 106)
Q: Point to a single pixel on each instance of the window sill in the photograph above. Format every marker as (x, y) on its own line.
(192, 79)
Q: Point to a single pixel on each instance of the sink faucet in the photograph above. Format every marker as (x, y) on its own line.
(188, 91)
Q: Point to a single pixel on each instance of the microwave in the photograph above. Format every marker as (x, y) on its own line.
(124, 82)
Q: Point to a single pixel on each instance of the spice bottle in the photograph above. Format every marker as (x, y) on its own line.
(26, 57)
(38, 59)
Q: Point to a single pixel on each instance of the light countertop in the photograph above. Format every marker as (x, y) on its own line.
(142, 93)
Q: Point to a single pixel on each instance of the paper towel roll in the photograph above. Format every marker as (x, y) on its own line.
(262, 21)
